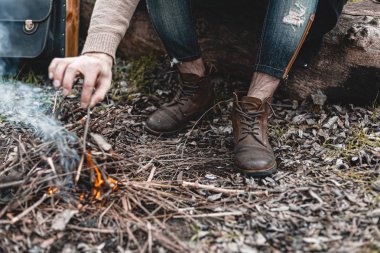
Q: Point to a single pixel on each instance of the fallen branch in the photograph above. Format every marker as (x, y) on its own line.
(28, 210)
(221, 190)
(11, 184)
(210, 215)
(93, 230)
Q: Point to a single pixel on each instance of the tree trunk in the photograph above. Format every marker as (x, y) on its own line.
(347, 68)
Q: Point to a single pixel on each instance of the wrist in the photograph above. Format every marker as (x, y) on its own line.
(102, 56)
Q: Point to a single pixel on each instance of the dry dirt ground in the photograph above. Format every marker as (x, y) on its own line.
(182, 194)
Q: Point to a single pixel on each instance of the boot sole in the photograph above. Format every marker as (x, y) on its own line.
(260, 174)
(163, 134)
(169, 134)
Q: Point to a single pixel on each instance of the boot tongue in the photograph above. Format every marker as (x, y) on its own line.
(250, 104)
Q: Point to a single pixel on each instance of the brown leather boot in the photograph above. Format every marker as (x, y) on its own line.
(194, 97)
(253, 153)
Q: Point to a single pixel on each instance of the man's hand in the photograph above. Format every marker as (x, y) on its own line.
(96, 69)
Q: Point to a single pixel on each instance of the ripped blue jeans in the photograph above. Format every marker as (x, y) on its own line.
(285, 28)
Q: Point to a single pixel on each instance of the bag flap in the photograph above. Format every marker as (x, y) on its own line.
(21, 10)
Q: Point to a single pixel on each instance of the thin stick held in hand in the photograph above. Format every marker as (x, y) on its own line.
(86, 129)
(55, 102)
(79, 171)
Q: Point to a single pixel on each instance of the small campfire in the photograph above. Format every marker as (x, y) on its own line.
(100, 181)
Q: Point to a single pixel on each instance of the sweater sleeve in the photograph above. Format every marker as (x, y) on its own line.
(109, 23)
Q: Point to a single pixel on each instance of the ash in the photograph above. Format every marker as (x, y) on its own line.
(28, 106)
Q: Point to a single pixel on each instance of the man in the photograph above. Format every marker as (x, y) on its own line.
(288, 24)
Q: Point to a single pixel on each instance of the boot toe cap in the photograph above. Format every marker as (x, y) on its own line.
(158, 124)
(255, 160)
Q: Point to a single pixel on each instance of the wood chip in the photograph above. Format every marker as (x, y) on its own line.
(101, 142)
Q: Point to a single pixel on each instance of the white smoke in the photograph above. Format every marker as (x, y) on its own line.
(26, 106)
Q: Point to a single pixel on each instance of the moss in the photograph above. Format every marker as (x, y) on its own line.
(32, 78)
(139, 70)
(370, 248)
(136, 72)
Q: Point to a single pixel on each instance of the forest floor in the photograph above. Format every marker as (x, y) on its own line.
(183, 194)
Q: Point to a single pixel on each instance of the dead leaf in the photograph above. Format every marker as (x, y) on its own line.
(376, 185)
(319, 98)
(62, 219)
(214, 197)
(374, 214)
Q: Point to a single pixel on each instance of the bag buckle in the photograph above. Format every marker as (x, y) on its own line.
(29, 25)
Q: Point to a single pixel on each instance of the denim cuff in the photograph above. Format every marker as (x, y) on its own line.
(188, 58)
(279, 73)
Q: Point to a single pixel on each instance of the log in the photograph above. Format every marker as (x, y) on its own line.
(72, 27)
(347, 68)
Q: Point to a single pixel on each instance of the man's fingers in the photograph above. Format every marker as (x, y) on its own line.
(57, 70)
(96, 70)
(88, 86)
(53, 66)
(72, 71)
(59, 74)
(101, 91)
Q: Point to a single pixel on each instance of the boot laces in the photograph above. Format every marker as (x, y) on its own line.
(250, 124)
(185, 92)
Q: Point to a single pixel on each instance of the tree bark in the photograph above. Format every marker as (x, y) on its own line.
(346, 69)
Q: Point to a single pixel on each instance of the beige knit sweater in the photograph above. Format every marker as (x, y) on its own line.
(109, 23)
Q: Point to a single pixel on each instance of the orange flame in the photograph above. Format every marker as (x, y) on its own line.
(99, 181)
(113, 183)
(53, 190)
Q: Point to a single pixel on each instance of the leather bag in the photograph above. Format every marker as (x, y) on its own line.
(31, 29)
